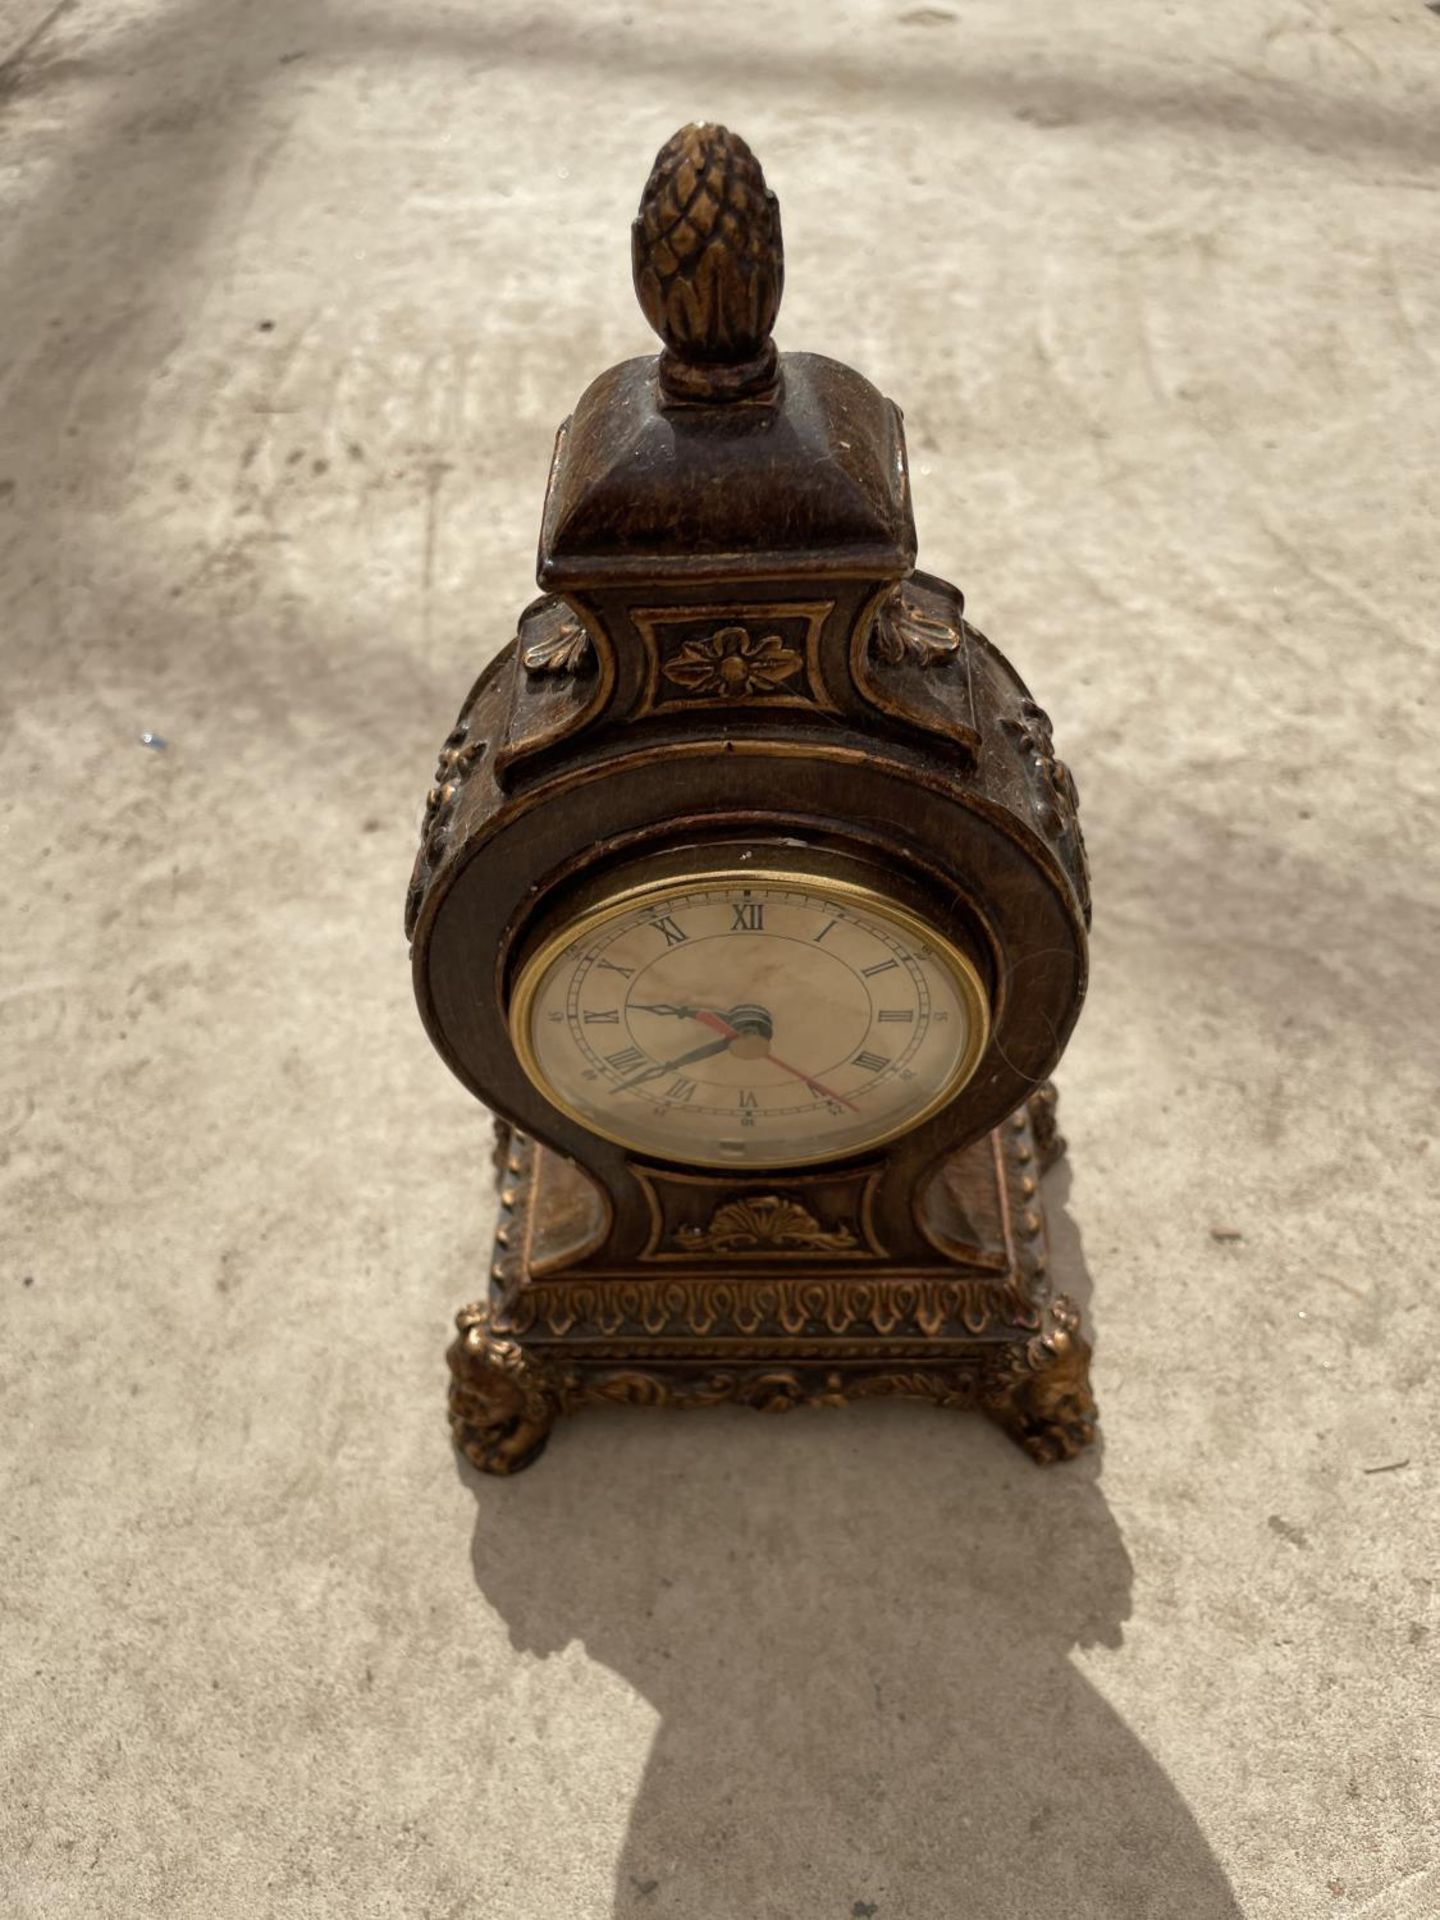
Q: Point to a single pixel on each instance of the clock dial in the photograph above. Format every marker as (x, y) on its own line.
(749, 1019)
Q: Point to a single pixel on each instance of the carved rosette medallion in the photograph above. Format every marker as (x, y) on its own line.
(735, 656)
(733, 663)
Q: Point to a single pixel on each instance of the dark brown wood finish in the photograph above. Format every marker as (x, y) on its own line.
(735, 657)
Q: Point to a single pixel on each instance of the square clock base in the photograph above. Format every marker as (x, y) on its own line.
(759, 1306)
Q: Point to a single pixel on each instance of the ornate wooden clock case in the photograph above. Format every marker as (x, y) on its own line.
(752, 899)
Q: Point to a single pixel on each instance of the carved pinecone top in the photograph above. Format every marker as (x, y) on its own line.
(709, 265)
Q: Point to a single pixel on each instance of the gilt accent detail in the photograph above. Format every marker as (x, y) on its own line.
(906, 632)
(733, 663)
(765, 1225)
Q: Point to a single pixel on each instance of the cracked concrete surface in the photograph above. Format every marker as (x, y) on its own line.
(293, 297)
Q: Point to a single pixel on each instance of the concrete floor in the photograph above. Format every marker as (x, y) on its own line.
(292, 299)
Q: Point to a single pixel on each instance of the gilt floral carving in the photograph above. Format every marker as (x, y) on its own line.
(733, 663)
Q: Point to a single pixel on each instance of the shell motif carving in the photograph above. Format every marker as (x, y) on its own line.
(765, 1224)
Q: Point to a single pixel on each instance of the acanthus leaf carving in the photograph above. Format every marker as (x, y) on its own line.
(562, 647)
(908, 631)
(826, 1308)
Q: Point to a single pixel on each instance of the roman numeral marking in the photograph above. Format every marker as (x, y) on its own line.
(886, 1013)
(612, 1018)
(882, 966)
(747, 1099)
(749, 918)
(823, 931)
(627, 1058)
(672, 933)
(871, 1062)
(610, 967)
(681, 1089)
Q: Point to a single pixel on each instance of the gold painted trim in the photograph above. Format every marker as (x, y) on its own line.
(967, 979)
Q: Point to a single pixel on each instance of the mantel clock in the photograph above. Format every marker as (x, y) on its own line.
(752, 899)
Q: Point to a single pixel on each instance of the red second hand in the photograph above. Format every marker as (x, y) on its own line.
(718, 1025)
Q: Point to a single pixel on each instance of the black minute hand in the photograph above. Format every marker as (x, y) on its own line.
(669, 1066)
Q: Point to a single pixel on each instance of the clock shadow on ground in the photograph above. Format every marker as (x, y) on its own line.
(855, 1628)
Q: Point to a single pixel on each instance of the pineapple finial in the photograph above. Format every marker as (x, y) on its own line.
(709, 266)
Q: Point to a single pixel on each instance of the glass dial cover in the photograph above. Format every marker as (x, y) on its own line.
(749, 1019)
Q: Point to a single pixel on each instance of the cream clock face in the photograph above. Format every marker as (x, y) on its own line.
(748, 1019)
